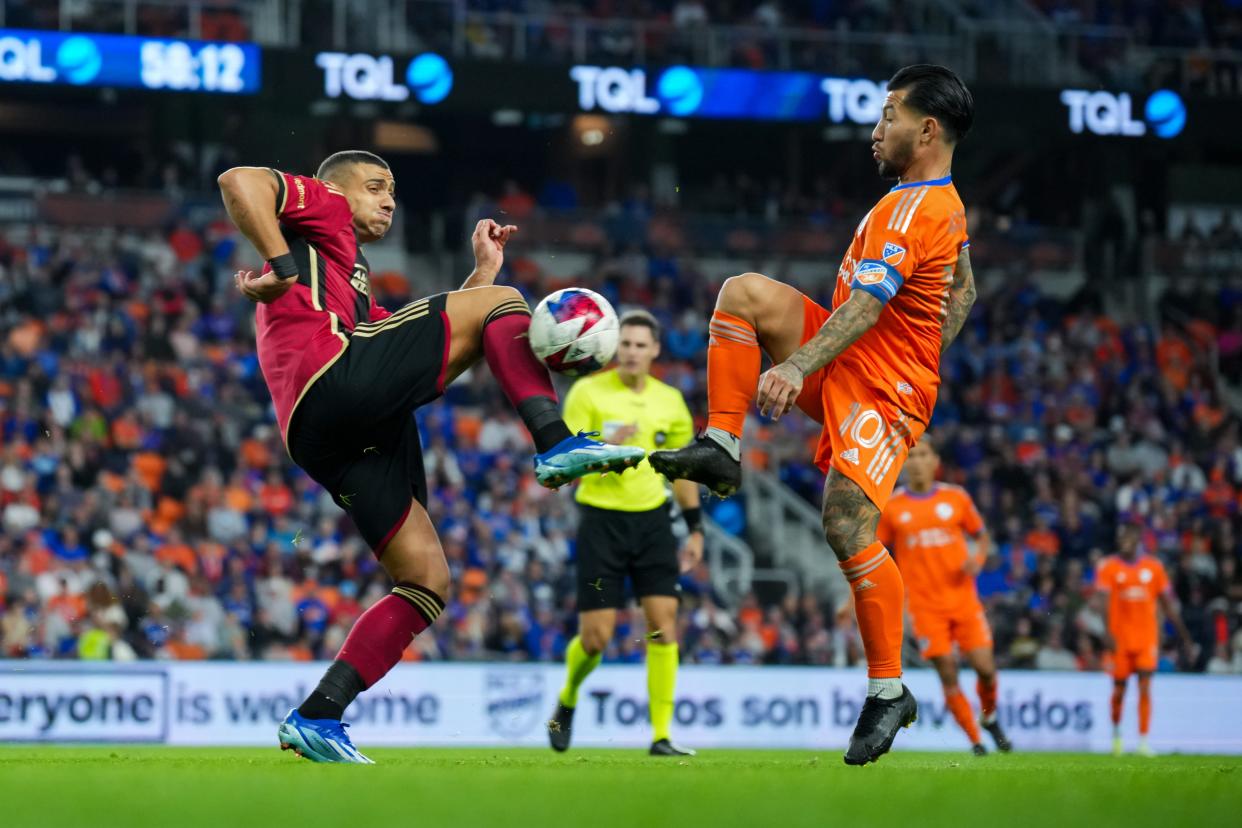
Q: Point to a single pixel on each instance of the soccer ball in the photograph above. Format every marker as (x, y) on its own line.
(574, 331)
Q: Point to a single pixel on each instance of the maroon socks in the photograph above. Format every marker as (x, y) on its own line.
(373, 647)
(521, 375)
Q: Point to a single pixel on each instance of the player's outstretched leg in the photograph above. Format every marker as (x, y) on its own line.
(579, 663)
(984, 663)
(492, 323)
(413, 558)
(1116, 706)
(662, 658)
(752, 312)
(954, 699)
(1144, 715)
(850, 519)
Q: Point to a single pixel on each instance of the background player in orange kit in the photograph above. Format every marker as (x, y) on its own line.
(1136, 584)
(925, 525)
(868, 370)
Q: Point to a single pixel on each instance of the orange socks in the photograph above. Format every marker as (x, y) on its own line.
(955, 700)
(733, 363)
(1144, 705)
(879, 597)
(987, 698)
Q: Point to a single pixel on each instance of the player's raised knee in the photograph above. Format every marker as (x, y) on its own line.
(745, 288)
(504, 294)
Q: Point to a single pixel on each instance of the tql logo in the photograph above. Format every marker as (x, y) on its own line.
(366, 77)
(78, 60)
(1108, 113)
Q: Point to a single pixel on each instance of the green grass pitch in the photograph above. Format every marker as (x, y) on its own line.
(449, 788)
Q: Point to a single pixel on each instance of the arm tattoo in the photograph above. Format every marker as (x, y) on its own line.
(960, 300)
(848, 322)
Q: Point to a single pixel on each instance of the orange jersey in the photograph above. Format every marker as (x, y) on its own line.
(904, 253)
(1132, 592)
(927, 535)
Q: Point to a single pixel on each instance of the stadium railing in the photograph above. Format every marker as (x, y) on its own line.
(792, 537)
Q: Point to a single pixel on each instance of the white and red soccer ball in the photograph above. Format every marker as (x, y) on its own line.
(574, 331)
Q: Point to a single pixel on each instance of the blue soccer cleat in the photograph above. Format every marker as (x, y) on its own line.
(579, 456)
(320, 740)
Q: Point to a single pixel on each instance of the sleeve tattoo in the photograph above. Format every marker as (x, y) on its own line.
(961, 299)
(848, 322)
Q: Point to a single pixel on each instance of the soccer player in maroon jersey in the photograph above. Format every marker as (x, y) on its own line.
(345, 377)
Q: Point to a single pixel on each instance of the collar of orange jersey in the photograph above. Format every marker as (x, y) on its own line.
(935, 487)
(935, 182)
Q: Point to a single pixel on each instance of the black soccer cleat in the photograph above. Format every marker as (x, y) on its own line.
(978, 749)
(703, 461)
(1002, 741)
(664, 747)
(561, 728)
(878, 725)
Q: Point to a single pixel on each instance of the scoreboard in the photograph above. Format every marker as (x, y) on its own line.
(158, 64)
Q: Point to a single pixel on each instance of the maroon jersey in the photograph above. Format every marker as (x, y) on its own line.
(303, 332)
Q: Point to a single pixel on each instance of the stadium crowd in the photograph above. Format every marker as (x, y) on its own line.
(149, 510)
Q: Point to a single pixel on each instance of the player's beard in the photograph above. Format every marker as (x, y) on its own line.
(898, 161)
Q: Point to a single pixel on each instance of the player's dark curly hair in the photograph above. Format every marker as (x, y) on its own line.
(939, 93)
(337, 161)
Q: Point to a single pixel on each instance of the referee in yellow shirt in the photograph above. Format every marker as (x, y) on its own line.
(625, 527)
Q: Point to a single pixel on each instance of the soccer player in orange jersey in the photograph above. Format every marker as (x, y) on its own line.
(867, 369)
(1136, 585)
(926, 525)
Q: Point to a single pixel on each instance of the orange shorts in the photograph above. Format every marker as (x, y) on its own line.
(937, 632)
(1130, 660)
(865, 437)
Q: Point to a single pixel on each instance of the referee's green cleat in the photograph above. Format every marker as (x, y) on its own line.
(579, 456)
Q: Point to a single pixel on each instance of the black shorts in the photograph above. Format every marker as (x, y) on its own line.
(612, 545)
(354, 431)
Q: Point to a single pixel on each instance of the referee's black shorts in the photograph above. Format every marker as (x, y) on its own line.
(354, 432)
(613, 545)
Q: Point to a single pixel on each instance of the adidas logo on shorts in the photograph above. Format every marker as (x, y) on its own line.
(851, 455)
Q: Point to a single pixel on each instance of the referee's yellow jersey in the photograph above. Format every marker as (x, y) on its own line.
(658, 413)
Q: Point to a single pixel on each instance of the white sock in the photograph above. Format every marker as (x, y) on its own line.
(729, 442)
(884, 688)
(1116, 731)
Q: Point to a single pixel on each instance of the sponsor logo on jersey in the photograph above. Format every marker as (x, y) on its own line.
(360, 281)
(893, 253)
(850, 454)
(870, 273)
